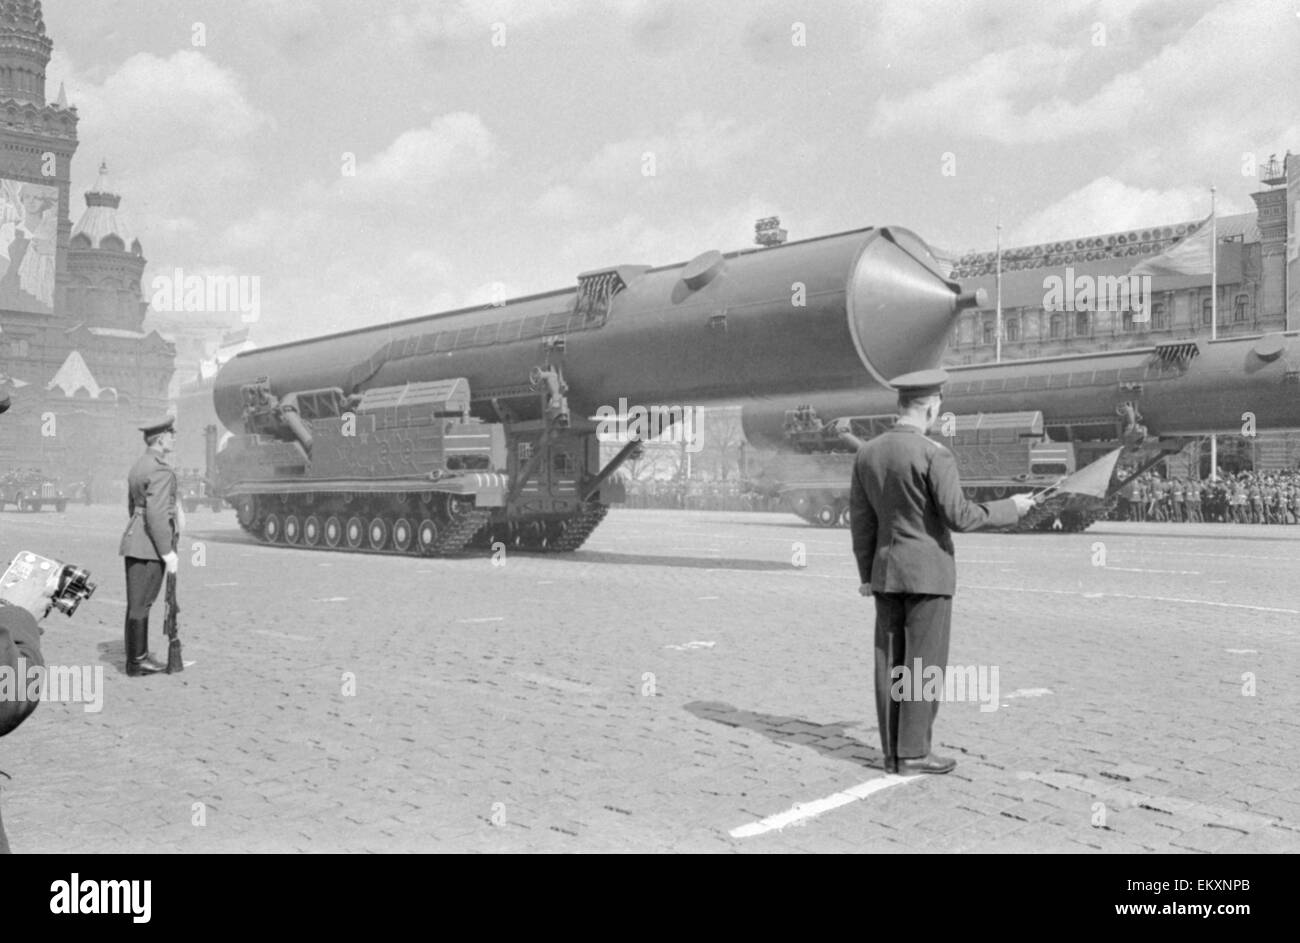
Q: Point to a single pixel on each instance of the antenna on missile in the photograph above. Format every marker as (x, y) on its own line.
(768, 232)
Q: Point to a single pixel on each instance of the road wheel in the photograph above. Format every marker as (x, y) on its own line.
(428, 535)
(292, 529)
(246, 510)
(20, 502)
(333, 531)
(378, 533)
(355, 532)
(272, 529)
(403, 534)
(36, 505)
(844, 516)
(826, 515)
(311, 531)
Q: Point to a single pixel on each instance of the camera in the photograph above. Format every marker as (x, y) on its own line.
(74, 588)
(31, 577)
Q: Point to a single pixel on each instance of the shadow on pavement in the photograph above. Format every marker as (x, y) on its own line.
(828, 739)
(113, 654)
(697, 563)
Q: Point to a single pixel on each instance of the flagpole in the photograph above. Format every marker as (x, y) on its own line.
(1214, 315)
(997, 353)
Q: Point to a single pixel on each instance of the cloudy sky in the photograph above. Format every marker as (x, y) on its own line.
(519, 142)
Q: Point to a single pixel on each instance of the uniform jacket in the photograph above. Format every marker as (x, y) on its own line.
(151, 501)
(20, 641)
(905, 499)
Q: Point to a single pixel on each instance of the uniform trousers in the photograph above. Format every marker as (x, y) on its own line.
(144, 579)
(909, 626)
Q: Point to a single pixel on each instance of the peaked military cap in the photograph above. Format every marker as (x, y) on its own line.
(161, 424)
(920, 383)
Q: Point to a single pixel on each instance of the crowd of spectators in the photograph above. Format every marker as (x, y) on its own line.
(698, 496)
(1243, 498)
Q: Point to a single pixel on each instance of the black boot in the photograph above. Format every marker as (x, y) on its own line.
(139, 661)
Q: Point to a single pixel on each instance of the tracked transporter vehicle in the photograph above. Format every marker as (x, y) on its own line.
(481, 425)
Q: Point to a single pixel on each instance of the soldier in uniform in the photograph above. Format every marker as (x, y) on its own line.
(905, 499)
(149, 543)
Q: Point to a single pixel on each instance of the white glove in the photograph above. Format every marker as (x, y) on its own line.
(172, 561)
(1024, 503)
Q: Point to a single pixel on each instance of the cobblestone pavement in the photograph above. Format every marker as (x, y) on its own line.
(676, 685)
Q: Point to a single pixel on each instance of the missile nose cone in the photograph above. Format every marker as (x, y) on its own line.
(901, 308)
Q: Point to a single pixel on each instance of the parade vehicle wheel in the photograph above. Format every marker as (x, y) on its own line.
(246, 509)
(355, 532)
(292, 529)
(844, 517)
(459, 508)
(272, 530)
(36, 505)
(426, 498)
(402, 535)
(378, 533)
(427, 534)
(333, 531)
(61, 506)
(20, 503)
(826, 515)
(311, 531)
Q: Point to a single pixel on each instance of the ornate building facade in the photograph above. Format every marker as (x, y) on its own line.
(1257, 291)
(75, 358)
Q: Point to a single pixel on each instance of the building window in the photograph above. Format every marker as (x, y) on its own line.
(1081, 324)
(1158, 317)
(1239, 309)
(989, 333)
(1013, 329)
(1056, 329)
(1207, 312)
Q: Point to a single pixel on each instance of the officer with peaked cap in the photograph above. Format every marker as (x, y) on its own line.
(149, 543)
(905, 500)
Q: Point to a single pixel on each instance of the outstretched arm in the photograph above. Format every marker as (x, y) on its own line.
(959, 513)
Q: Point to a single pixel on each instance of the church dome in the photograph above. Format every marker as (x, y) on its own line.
(99, 227)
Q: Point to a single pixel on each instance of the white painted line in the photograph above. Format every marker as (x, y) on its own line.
(1135, 569)
(488, 619)
(708, 597)
(558, 684)
(1072, 592)
(802, 811)
(284, 635)
(1030, 692)
(689, 645)
(1241, 651)
(332, 599)
(214, 585)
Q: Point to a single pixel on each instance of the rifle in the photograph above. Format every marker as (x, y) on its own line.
(174, 662)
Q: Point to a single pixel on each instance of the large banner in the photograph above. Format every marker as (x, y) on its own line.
(29, 239)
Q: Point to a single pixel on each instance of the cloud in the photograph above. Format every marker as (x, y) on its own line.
(420, 159)
(1210, 68)
(1109, 205)
(696, 145)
